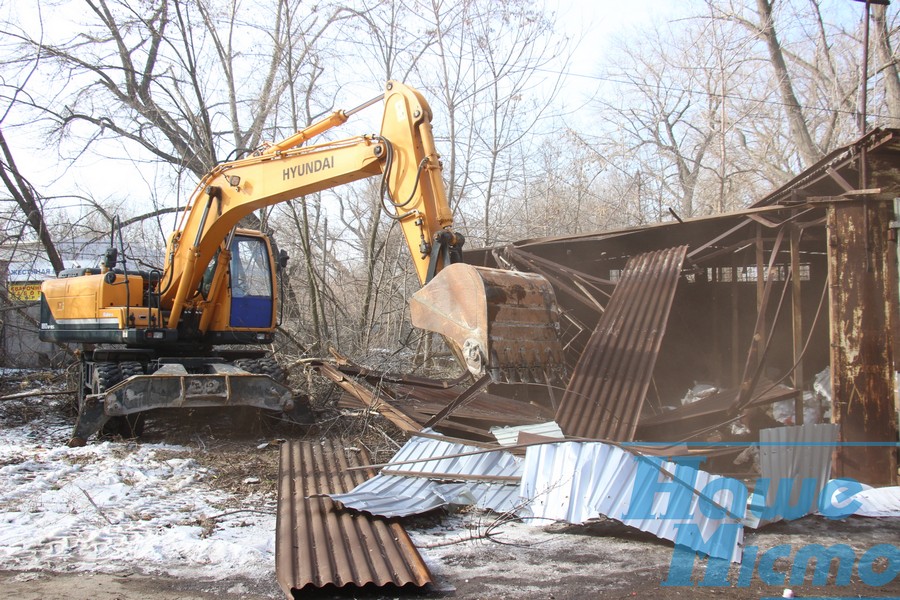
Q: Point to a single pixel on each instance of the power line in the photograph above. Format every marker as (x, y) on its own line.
(627, 82)
(609, 79)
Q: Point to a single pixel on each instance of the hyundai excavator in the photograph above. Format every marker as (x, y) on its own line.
(193, 333)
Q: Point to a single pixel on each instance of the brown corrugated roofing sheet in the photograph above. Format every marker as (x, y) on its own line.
(318, 543)
(409, 402)
(609, 383)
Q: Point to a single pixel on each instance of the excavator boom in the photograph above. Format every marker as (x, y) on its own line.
(500, 322)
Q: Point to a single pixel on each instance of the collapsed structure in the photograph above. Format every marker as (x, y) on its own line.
(756, 305)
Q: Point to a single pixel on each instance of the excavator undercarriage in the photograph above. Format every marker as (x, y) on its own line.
(118, 388)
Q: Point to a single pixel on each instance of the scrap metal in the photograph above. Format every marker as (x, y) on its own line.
(485, 478)
(411, 402)
(710, 412)
(792, 456)
(556, 481)
(509, 436)
(607, 390)
(878, 502)
(579, 481)
(318, 544)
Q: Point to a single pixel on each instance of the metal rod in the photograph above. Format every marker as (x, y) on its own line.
(864, 97)
(364, 105)
(863, 155)
(797, 322)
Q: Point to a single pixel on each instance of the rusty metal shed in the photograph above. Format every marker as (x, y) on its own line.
(804, 279)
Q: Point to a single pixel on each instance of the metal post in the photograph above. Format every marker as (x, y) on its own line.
(797, 322)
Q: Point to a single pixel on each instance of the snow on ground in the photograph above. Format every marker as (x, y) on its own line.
(123, 506)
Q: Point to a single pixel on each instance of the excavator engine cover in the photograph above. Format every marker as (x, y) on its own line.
(502, 323)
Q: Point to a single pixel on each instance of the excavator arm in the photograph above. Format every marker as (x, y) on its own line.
(499, 323)
(403, 154)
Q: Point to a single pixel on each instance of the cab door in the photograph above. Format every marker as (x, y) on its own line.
(251, 283)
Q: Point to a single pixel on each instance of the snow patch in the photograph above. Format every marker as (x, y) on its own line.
(117, 506)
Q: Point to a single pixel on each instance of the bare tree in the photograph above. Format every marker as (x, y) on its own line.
(887, 63)
(488, 87)
(668, 110)
(29, 202)
(172, 78)
(744, 97)
(798, 126)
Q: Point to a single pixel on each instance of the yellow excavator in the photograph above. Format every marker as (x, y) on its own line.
(193, 333)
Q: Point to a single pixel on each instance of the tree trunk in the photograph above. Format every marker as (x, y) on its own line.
(809, 152)
(887, 65)
(25, 197)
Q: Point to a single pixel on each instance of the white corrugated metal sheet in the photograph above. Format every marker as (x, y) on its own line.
(793, 454)
(396, 496)
(568, 481)
(879, 502)
(509, 436)
(578, 481)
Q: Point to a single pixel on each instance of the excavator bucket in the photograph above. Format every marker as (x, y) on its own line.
(501, 323)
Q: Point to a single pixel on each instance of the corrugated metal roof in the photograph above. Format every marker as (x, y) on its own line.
(796, 454)
(578, 481)
(877, 141)
(394, 496)
(609, 383)
(317, 544)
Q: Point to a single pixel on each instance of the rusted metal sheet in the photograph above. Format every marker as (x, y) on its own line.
(607, 389)
(861, 340)
(366, 396)
(318, 544)
(410, 402)
(464, 398)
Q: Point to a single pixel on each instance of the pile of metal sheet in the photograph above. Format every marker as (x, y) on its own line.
(556, 481)
(748, 302)
(577, 482)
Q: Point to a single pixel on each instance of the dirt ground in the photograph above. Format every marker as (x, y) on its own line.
(41, 585)
(602, 559)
